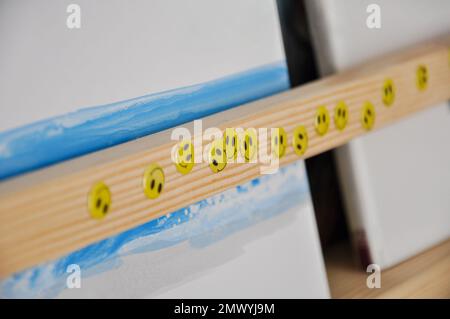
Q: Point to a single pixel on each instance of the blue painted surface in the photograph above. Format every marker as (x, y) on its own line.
(53, 140)
(202, 224)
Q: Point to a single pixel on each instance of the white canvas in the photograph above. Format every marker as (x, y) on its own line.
(124, 50)
(255, 240)
(396, 181)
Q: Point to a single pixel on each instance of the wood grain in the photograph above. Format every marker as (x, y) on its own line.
(426, 275)
(43, 215)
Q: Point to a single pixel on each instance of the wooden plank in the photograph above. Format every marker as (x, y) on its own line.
(424, 276)
(44, 215)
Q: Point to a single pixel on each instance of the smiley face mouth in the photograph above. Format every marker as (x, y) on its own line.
(183, 165)
(248, 157)
(233, 155)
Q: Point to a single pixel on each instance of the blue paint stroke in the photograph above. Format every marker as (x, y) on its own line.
(90, 129)
(200, 224)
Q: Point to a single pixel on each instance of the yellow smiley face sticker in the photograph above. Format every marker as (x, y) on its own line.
(341, 115)
(217, 158)
(153, 181)
(99, 200)
(388, 92)
(230, 144)
(300, 140)
(368, 116)
(248, 144)
(422, 77)
(322, 120)
(279, 142)
(185, 157)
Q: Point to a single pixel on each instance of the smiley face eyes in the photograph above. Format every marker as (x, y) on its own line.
(185, 157)
(279, 142)
(341, 115)
(233, 140)
(300, 140)
(230, 144)
(248, 144)
(422, 77)
(153, 184)
(217, 159)
(276, 140)
(322, 120)
(388, 91)
(153, 181)
(368, 115)
(248, 141)
(103, 207)
(99, 200)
